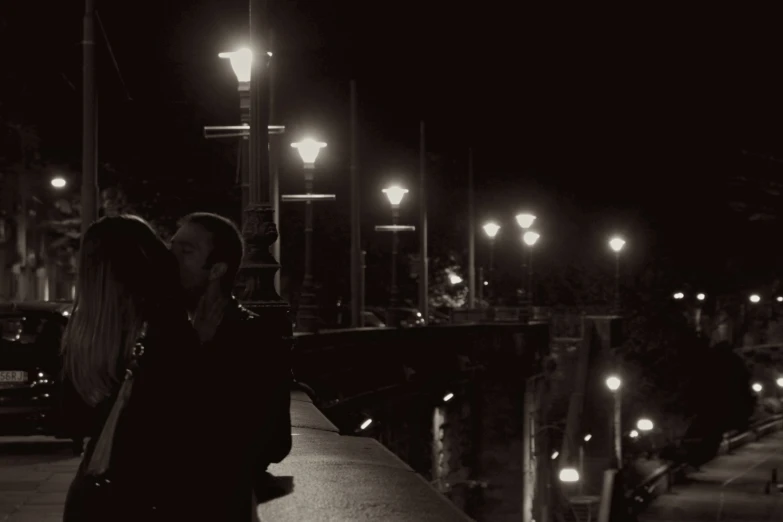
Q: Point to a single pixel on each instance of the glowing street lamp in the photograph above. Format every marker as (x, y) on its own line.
(59, 182)
(531, 238)
(614, 384)
(779, 299)
(395, 195)
(307, 312)
(454, 279)
(525, 220)
(634, 434)
(757, 387)
(491, 229)
(617, 244)
(679, 296)
(569, 475)
(755, 298)
(242, 63)
(779, 382)
(308, 150)
(701, 297)
(644, 425)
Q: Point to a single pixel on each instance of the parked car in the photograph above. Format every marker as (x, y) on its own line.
(30, 368)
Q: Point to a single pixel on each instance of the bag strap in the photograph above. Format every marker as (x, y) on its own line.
(101, 455)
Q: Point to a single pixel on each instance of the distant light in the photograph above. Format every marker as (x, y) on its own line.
(701, 297)
(779, 382)
(66, 313)
(644, 425)
(525, 220)
(757, 387)
(780, 299)
(59, 182)
(679, 295)
(269, 53)
(308, 150)
(448, 397)
(634, 434)
(613, 383)
(454, 279)
(366, 424)
(486, 283)
(588, 437)
(755, 298)
(418, 314)
(569, 475)
(555, 455)
(241, 62)
(491, 229)
(530, 238)
(395, 194)
(616, 244)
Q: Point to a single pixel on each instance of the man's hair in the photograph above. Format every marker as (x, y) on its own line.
(227, 244)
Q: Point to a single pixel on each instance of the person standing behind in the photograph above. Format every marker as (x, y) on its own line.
(245, 379)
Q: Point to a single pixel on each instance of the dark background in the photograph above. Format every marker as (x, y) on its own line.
(662, 124)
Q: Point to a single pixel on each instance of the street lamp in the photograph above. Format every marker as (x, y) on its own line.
(569, 475)
(525, 220)
(242, 63)
(491, 229)
(779, 382)
(307, 313)
(395, 195)
(617, 244)
(757, 387)
(614, 384)
(755, 298)
(644, 425)
(701, 297)
(59, 182)
(679, 296)
(530, 239)
(454, 279)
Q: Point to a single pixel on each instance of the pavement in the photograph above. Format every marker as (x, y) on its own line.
(327, 477)
(730, 488)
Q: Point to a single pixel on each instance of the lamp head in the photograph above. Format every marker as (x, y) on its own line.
(525, 220)
(395, 194)
(530, 238)
(308, 150)
(616, 244)
(241, 62)
(491, 229)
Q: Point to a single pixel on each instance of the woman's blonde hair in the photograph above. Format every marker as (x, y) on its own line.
(124, 271)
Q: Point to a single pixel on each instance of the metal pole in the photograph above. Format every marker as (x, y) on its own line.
(306, 316)
(481, 285)
(617, 283)
(491, 270)
(618, 429)
(471, 237)
(362, 276)
(89, 195)
(582, 469)
(274, 152)
(424, 261)
(395, 242)
(244, 148)
(529, 451)
(259, 108)
(357, 256)
(530, 282)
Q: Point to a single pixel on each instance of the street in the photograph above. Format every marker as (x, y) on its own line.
(730, 488)
(35, 473)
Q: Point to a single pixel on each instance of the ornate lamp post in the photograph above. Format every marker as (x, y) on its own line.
(491, 229)
(307, 313)
(614, 384)
(395, 194)
(530, 239)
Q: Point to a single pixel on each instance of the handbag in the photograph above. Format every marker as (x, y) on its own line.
(97, 470)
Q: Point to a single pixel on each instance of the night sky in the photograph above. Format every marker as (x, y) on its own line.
(600, 119)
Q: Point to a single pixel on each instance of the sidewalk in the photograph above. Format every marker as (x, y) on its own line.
(35, 492)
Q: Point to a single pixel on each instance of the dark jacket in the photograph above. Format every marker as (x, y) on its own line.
(154, 467)
(246, 395)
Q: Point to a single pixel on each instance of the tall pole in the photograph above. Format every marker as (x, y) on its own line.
(395, 242)
(471, 237)
(307, 316)
(257, 273)
(362, 275)
(491, 269)
(530, 281)
(617, 283)
(89, 196)
(424, 282)
(274, 153)
(618, 429)
(22, 232)
(357, 256)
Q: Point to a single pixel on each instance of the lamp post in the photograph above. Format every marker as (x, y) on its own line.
(491, 229)
(530, 239)
(395, 195)
(525, 220)
(614, 384)
(307, 312)
(617, 244)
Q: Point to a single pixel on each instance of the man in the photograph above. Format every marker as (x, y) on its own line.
(243, 385)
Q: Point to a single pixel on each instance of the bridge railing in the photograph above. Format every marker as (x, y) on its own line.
(664, 478)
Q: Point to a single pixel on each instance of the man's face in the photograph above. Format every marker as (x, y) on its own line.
(192, 245)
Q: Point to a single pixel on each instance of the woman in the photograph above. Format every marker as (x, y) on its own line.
(128, 296)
